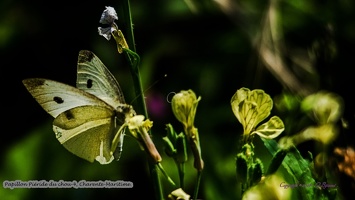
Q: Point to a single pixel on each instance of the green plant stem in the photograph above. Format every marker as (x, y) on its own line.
(181, 170)
(134, 68)
(197, 186)
(138, 90)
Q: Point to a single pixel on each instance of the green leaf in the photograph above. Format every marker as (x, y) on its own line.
(276, 161)
(270, 129)
(298, 168)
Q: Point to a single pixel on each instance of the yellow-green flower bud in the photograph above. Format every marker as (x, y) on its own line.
(184, 105)
(256, 171)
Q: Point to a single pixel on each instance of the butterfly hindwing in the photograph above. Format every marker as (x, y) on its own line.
(56, 97)
(87, 132)
(93, 77)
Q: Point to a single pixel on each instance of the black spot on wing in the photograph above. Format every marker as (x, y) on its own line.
(69, 115)
(58, 100)
(89, 83)
(85, 56)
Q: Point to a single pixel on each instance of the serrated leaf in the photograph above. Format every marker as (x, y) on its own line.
(271, 129)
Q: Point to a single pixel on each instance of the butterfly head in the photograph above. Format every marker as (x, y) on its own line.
(126, 110)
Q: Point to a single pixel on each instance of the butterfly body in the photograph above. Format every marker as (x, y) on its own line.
(89, 117)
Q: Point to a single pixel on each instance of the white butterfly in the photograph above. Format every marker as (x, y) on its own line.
(88, 118)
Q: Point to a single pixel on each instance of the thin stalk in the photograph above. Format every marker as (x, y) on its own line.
(153, 168)
(134, 68)
(197, 186)
(182, 174)
(181, 170)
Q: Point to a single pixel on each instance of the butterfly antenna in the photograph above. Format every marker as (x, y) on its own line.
(151, 85)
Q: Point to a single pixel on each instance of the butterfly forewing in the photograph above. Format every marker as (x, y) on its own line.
(94, 78)
(56, 97)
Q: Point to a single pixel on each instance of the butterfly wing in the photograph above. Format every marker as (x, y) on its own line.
(87, 132)
(56, 97)
(93, 77)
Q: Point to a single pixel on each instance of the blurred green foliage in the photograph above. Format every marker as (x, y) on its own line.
(213, 48)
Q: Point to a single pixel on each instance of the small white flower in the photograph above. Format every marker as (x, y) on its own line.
(106, 32)
(108, 16)
(135, 122)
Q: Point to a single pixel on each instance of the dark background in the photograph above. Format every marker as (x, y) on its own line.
(211, 51)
